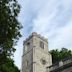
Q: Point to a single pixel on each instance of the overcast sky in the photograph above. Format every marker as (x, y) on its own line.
(50, 18)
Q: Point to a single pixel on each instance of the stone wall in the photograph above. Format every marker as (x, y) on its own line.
(62, 66)
(37, 58)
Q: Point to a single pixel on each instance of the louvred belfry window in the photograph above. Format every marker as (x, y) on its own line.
(41, 44)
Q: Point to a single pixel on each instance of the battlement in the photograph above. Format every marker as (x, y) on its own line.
(37, 35)
(63, 64)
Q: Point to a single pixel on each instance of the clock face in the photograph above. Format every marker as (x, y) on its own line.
(43, 61)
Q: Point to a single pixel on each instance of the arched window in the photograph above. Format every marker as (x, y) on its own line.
(27, 63)
(41, 44)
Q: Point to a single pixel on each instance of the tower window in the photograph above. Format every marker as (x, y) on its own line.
(27, 63)
(41, 44)
(28, 45)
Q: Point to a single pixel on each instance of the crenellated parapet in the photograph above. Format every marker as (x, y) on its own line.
(37, 35)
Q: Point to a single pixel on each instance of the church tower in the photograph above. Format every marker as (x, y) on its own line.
(36, 56)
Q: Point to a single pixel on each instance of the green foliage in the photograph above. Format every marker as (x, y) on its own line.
(59, 55)
(9, 27)
(9, 66)
(9, 33)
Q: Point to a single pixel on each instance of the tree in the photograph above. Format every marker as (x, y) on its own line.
(9, 66)
(59, 55)
(9, 34)
(9, 28)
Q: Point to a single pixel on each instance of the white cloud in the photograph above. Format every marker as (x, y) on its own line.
(42, 24)
(53, 22)
(51, 18)
(64, 36)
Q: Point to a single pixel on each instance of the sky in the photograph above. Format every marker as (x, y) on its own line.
(50, 18)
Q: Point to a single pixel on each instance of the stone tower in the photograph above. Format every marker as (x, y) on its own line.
(35, 54)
